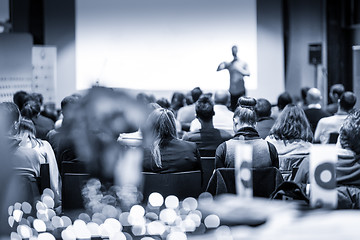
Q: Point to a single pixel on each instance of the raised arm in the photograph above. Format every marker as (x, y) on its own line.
(222, 66)
(244, 70)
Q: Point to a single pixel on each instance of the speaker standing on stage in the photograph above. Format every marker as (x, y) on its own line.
(238, 70)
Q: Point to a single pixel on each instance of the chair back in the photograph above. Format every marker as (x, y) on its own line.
(44, 177)
(181, 184)
(208, 166)
(72, 167)
(333, 137)
(265, 181)
(72, 190)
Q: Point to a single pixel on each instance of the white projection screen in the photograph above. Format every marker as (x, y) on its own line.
(163, 44)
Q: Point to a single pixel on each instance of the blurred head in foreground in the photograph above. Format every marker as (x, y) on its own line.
(350, 132)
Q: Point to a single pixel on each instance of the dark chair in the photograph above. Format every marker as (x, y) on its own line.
(265, 181)
(181, 184)
(207, 153)
(72, 167)
(208, 166)
(333, 137)
(72, 190)
(44, 177)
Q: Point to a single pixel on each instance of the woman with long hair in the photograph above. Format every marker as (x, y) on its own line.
(46, 154)
(165, 152)
(292, 136)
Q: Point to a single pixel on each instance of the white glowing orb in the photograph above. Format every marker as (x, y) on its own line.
(17, 215)
(17, 206)
(43, 215)
(39, 225)
(156, 228)
(188, 225)
(137, 211)
(68, 233)
(168, 215)
(48, 201)
(156, 199)
(212, 221)
(124, 219)
(190, 204)
(117, 236)
(40, 206)
(176, 236)
(94, 229)
(104, 233)
(66, 220)
(57, 222)
(46, 236)
(172, 202)
(112, 225)
(24, 231)
(14, 236)
(195, 218)
(48, 191)
(11, 221)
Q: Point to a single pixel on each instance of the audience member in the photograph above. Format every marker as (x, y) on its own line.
(61, 143)
(263, 117)
(283, 100)
(207, 138)
(332, 124)
(187, 113)
(45, 153)
(20, 98)
(264, 153)
(314, 112)
(166, 152)
(177, 102)
(223, 118)
(164, 103)
(335, 93)
(303, 92)
(348, 164)
(31, 110)
(292, 137)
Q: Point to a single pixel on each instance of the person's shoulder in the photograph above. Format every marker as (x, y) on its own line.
(185, 143)
(224, 134)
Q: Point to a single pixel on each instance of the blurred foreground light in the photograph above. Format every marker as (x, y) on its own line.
(26, 207)
(117, 236)
(57, 222)
(40, 206)
(138, 230)
(39, 225)
(11, 221)
(124, 219)
(156, 228)
(176, 236)
(68, 233)
(24, 231)
(48, 191)
(156, 199)
(45, 236)
(93, 229)
(190, 204)
(14, 236)
(10, 210)
(188, 225)
(17, 206)
(172, 202)
(212, 221)
(195, 218)
(112, 225)
(147, 238)
(85, 217)
(48, 201)
(224, 232)
(66, 220)
(205, 198)
(137, 211)
(17, 215)
(168, 215)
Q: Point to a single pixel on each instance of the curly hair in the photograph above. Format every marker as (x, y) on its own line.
(292, 124)
(350, 132)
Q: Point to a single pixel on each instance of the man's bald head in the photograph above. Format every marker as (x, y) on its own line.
(221, 97)
(313, 96)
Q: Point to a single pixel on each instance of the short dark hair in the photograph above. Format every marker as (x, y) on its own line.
(164, 103)
(19, 98)
(196, 93)
(350, 132)
(347, 101)
(283, 100)
(245, 111)
(204, 108)
(68, 100)
(262, 108)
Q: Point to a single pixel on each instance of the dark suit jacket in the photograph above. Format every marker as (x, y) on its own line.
(314, 115)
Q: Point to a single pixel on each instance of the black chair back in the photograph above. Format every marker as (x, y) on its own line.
(44, 177)
(72, 190)
(208, 166)
(72, 167)
(333, 137)
(181, 184)
(265, 181)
